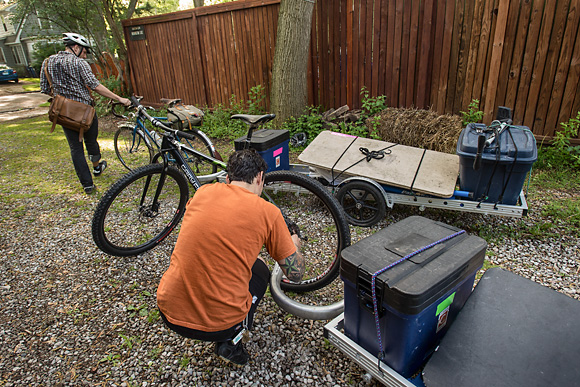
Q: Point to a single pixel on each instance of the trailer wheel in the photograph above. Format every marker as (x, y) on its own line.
(362, 202)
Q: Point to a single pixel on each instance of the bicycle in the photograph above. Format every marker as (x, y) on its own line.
(136, 146)
(142, 209)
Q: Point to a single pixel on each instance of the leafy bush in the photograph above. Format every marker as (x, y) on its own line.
(561, 154)
(473, 114)
(42, 51)
(102, 103)
(372, 105)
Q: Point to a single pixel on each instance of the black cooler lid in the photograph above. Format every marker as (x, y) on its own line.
(417, 282)
(263, 139)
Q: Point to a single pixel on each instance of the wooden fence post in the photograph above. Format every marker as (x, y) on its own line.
(496, 54)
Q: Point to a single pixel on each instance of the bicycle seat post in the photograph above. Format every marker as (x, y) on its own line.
(251, 128)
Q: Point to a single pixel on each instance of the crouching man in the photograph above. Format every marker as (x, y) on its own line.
(216, 280)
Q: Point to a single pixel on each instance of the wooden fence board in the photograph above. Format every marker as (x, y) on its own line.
(520, 36)
(416, 53)
(528, 62)
(540, 61)
(424, 54)
(549, 72)
(496, 55)
(567, 109)
(413, 47)
(563, 65)
(509, 45)
(454, 58)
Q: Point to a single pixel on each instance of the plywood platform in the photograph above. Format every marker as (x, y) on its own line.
(419, 170)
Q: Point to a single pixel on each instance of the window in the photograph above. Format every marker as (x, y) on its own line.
(17, 53)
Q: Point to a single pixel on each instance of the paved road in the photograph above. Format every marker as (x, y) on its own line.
(16, 104)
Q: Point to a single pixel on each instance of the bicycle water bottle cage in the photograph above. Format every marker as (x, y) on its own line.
(254, 120)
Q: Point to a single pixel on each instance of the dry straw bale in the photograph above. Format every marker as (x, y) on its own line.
(419, 128)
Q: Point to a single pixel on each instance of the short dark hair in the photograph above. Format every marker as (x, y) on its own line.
(245, 165)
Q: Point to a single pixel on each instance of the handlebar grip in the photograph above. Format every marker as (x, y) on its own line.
(134, 101)
(480, 146)
(185, 135)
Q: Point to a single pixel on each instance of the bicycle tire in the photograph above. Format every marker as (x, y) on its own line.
(362, 202)
(122, 226)
(196, 141)
(321, 220)
(132, 148)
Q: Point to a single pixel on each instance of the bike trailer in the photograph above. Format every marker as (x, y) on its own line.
(184, 117)
(403, 317)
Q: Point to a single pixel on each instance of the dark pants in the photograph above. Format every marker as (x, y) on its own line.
(77, 151)
(258, 285)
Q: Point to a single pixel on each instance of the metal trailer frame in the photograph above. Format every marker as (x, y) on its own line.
(386, 375)
(426, 201)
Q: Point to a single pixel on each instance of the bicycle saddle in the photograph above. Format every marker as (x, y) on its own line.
(252, 119)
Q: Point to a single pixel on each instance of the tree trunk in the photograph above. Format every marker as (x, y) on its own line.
(289, 94)
(197, 3)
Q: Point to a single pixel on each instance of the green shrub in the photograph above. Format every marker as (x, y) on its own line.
(473, 114)
(561, 154)
(372, 105)
(102, 103)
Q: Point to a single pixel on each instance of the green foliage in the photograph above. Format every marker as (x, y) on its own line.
(257, 96)
(561, 154)
(372, 105)
(217, 123)
(43, 50)
(310, 123)
(102, 103)
(473, 114)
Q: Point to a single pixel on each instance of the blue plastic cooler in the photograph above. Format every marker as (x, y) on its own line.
(272, 145)
(504, 163)
(418, 299)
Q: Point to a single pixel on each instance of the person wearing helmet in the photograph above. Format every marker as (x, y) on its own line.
(73, 78)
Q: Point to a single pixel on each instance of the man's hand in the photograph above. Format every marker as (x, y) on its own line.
(125, 101)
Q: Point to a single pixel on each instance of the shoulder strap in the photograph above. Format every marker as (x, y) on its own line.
(48, 77)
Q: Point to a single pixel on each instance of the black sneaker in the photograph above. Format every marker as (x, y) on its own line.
(89, 189)
(100, 168)
(235, 353)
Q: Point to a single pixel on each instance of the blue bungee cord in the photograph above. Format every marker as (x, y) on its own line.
(374, 292)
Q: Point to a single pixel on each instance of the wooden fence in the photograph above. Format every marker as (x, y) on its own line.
(439, 54)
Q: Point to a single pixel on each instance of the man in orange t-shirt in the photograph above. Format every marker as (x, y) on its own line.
(216, 280)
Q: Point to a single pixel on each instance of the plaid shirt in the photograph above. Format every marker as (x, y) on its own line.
(70, 77)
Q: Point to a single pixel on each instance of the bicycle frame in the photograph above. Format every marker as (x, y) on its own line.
(151, 142)
(170, 146)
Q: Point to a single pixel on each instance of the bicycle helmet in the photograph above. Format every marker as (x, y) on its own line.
(70, 39)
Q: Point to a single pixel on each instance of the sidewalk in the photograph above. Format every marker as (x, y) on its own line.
(22, 105)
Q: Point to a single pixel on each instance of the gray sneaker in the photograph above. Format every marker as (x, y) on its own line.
(90, 189)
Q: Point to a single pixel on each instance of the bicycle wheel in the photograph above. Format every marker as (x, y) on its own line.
(196, 141)
(131, 147)
(363, 203)
(307, 203)
(128, 221)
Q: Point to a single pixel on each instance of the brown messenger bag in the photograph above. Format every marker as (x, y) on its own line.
(71, 114)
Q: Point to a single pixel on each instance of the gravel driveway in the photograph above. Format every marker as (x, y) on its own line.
(72, 315)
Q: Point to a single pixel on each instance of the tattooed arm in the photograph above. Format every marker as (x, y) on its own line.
(293, 266)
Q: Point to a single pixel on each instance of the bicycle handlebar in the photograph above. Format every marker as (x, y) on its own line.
(157, 123)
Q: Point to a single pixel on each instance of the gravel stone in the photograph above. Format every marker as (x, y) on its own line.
(71, 315)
